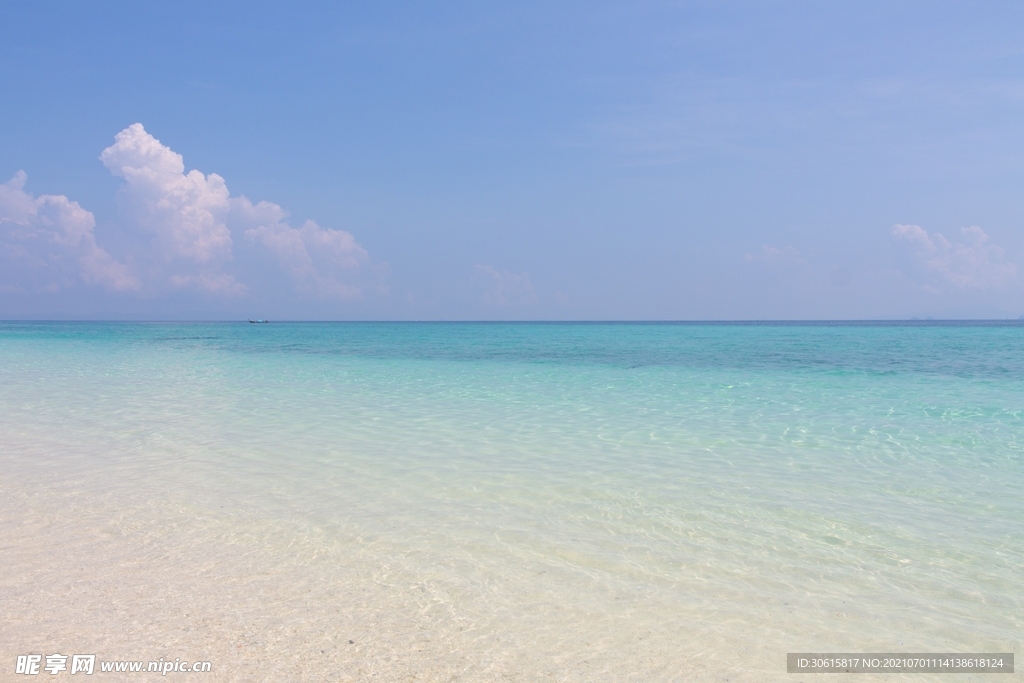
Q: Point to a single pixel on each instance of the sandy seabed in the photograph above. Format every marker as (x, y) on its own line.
(285, 601)
(275, 604)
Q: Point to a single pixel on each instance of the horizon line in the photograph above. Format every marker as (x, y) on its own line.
(621, 321)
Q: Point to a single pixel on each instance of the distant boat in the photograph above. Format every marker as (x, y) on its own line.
(261, 320)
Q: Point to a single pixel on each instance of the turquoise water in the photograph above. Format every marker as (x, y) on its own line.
(737, 491)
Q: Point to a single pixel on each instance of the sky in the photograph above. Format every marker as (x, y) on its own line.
(511, 161)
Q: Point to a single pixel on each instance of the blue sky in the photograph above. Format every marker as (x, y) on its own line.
(644, 160)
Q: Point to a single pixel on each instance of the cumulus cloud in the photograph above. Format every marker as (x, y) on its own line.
(185, 212)
(319, 260)
(975, 263)
(192, 217)
(184, 232)
(48, 244)
(504, 288)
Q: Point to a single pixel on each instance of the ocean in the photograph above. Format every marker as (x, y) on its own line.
(510, 501)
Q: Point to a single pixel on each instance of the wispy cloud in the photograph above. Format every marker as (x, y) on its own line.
(974, 263)
(774, 256)
(503, 288)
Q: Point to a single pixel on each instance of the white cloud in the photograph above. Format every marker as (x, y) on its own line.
(49, 244)
(192, 217)
(505, 288)
(190, 226)
(321, 261)
(185, 213)
(974, 264)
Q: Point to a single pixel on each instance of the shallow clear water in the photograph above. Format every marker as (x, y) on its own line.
(737, 491)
